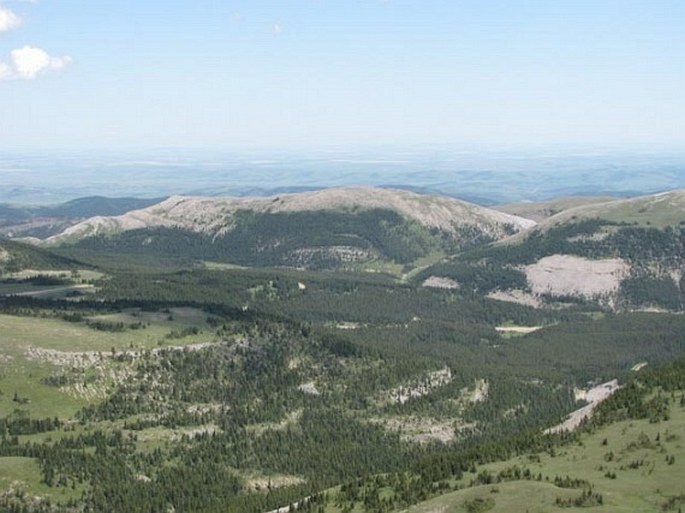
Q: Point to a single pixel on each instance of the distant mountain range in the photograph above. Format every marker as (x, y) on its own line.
(484, 177)
(43, 221)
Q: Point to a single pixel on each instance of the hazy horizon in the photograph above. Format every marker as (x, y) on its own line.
(48, 177)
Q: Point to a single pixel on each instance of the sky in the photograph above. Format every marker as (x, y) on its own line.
(355, 73)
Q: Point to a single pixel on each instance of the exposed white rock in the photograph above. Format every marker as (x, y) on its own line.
(479, 393)
(433, 380)
(309, 388)
(561, 275)
(593, 396)
(519, 330)
(439, 282)
(520, 297)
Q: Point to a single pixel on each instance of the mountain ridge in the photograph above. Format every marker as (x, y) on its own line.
(661, 209)
(541, 210)
(217, 215)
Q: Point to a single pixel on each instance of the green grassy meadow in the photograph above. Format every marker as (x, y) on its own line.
(23, 474)
(653, 485)
(34, 349)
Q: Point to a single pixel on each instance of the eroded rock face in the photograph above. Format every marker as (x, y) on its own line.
(568, 275)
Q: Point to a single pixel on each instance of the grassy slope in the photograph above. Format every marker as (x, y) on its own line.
(657, 211)
(24, 474)
(18, 333)
(539, 210)
(22, 374)
(79, 281)
(644, 489)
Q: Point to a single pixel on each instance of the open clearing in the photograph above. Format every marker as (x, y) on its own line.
(41, 348)
(18, 333)
(438, 282)
(520, 297)
(24, 474)
(73, 283)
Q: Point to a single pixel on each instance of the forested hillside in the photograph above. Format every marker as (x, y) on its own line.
(624, 255)
(16, 256)
(349, 228)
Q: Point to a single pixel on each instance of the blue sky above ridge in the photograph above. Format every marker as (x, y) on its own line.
(349, 73)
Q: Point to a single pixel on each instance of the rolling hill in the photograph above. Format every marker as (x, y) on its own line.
(322, 229)
(540, 210)
(656, 210)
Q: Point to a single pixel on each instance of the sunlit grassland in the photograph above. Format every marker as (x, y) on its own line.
(422, 263)
(24, 474)
(34, 348)
(221, 266)
(647, 459)
(45, 292)
(18, 333)
(613, 449)
(76, 276)
(24, 382)
(74, 282)
(402, 272)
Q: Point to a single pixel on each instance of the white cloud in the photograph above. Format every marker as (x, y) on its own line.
(5, 71)
(29, 62)
(8, 20)
(277, 29)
